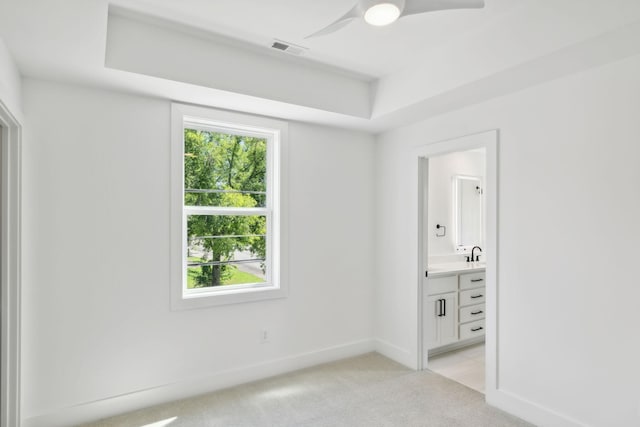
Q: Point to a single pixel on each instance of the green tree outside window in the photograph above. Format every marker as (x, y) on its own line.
(225, 170)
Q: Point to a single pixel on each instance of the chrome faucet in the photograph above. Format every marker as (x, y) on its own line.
(477, 257)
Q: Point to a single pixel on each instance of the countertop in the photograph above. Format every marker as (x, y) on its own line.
(444, 269)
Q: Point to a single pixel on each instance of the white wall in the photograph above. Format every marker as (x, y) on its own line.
(568, 227)
(159, 49)
(97, 320)
(10, 82)
(442, 169)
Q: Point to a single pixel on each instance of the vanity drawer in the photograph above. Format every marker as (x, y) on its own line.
(472, 280)
(472, 296)
(473, 329)
(441, 285)
(471, 313)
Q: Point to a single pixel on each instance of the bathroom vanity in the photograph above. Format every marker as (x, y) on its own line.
(453, 306)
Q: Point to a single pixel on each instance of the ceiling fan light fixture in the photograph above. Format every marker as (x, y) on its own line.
(385, 12)
(382, 14)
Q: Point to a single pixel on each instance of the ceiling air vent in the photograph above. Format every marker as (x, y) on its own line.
(289, 48)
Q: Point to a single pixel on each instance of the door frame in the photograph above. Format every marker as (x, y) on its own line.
(489, 141)
(10, 266)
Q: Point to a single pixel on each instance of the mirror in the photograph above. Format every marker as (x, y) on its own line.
(467, 199)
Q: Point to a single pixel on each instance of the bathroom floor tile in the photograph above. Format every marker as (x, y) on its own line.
(465, 366)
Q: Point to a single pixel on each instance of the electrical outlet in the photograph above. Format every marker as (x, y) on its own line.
(264, 336)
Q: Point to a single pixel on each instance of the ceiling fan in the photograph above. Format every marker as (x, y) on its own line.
(385, 12)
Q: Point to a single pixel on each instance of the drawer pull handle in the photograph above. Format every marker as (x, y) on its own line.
(476, 296)
(476, 329)
(477, 312)
(476, 280)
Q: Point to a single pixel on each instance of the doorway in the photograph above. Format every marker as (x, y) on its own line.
(457, 309)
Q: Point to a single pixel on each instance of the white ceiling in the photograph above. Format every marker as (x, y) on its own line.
(374, 51)
(411, 64)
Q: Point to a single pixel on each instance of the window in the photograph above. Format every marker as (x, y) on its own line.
(227, 222)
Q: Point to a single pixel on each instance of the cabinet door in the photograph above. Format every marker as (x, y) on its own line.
(440, 320)
(449, 321)
(430, 321)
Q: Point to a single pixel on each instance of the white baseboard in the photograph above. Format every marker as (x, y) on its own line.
(91, 411)
(528, 410)
(395, 353)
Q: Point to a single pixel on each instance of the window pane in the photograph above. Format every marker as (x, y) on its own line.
(222, 169)
(230, 274)
(225, 250)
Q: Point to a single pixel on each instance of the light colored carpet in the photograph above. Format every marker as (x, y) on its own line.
(368, 390)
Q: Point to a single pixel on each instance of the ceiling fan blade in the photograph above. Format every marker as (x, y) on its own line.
(413, 7)
(338, 23)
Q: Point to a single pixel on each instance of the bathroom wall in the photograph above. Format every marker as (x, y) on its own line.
(442, 169)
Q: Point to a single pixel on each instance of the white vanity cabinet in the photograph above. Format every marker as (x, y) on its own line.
(472, 307)
(440, 305)
(453, 308)
(442, 327)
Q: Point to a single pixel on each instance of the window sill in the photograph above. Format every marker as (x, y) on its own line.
(194, 300)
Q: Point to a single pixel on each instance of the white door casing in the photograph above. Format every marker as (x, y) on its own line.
(489, 141)
(10, 278)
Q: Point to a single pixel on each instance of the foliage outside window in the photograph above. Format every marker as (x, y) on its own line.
(229, 208)
(225, 170)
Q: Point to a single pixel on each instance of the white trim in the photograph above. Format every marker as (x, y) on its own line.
(276, 132)
(423, 239)
(393, 352)
(489, 141)
(210, 210)
(10, 270)
(205, 383)
(530, 411)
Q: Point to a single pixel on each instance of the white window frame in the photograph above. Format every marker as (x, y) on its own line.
(276, 134)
